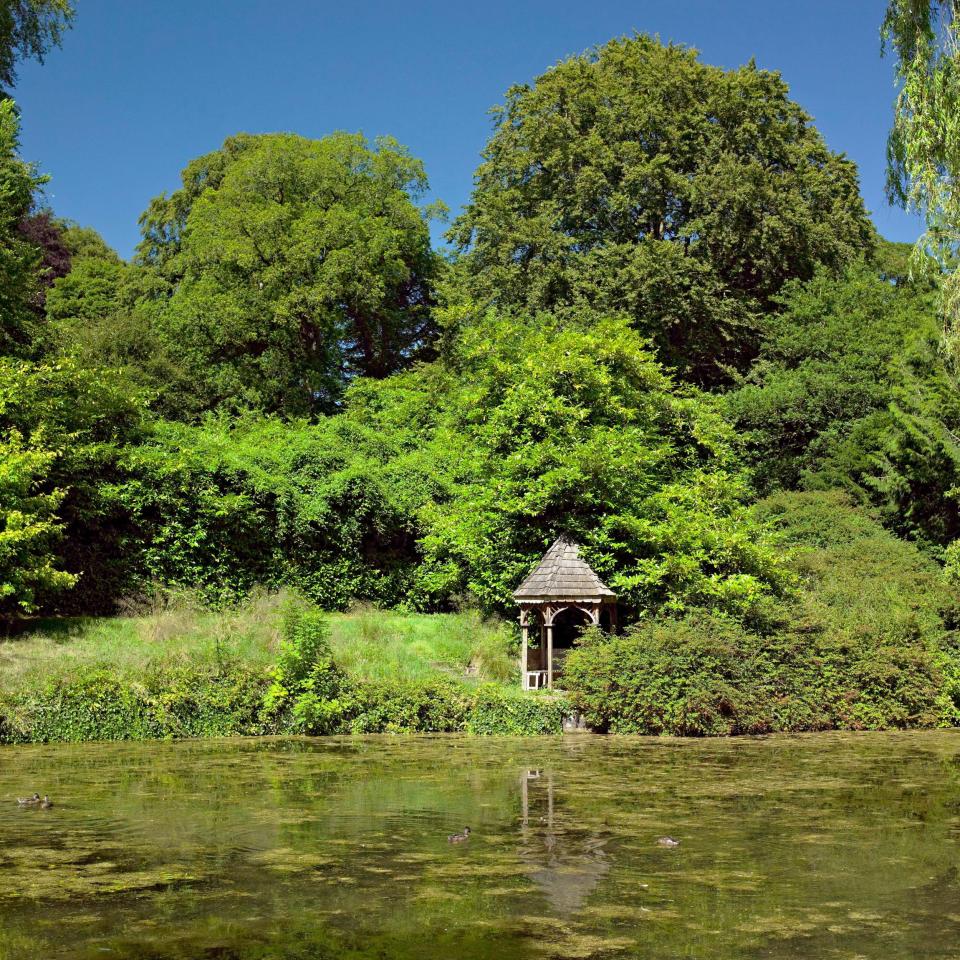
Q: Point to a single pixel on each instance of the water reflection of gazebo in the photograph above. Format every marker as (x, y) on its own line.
(560, 597)
(564, 862)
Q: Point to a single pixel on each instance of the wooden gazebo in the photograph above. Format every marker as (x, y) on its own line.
(559, 598)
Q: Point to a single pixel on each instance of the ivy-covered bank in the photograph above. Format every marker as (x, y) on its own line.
(303, 692)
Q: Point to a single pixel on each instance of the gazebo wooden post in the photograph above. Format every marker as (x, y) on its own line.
(524, 629)
(549, 631)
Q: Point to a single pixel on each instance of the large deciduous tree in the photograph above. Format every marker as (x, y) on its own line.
(635, 178)
(532, 426)
(293, 265)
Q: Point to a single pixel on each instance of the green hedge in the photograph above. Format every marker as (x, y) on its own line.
(170, 701)
(502, 711)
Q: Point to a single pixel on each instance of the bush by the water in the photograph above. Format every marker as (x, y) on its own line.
(866, 643)
(304, 691)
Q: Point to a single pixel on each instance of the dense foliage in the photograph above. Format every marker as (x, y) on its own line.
(863, 644)
(825, 375)
(77, 421)
(572, 426)
(423, 489)
(635, 178)
(666, 328)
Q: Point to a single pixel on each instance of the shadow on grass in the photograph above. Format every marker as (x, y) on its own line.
(57, 629)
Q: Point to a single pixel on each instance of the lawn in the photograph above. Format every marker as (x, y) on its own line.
(368, 643)
(375, 644)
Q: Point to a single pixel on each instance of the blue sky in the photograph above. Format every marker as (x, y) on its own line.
(143, 86)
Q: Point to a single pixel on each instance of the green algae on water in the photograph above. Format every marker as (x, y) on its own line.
(839, 845)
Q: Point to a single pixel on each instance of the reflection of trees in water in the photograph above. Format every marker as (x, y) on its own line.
(566, 865)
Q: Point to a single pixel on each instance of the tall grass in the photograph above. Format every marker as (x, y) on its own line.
(176, 628)
(169, 628)
(377, 644)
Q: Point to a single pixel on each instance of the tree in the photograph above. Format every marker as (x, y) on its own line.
(532, 426)
(96, 314)
(85, 242)
(293, 266)
(923, 150)
(28, 527)
(65, 426)
(635, 178)
(813, 408)
(916, 477)
(43, 231)
(28, 29)
(19, 258)
(91, 309)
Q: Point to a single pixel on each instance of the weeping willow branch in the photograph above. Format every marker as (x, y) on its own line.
(923, 149)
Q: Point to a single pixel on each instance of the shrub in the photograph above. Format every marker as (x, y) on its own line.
(94, 705)
(186, 702)
(169, 701)
(309, 693)
(689, 677)
(500, 711)
(410, 706)
(862, 645)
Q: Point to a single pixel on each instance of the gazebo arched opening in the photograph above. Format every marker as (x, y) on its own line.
(557, 600)
(568, 624)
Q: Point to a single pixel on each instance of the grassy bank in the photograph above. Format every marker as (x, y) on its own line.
(271, 665)
(369, 644)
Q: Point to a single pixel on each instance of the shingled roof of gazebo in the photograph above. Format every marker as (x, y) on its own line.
(563, 575)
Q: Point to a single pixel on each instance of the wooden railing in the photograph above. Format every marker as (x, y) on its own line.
(534, 679)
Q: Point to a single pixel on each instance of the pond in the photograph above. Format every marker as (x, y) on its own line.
(830, 845)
